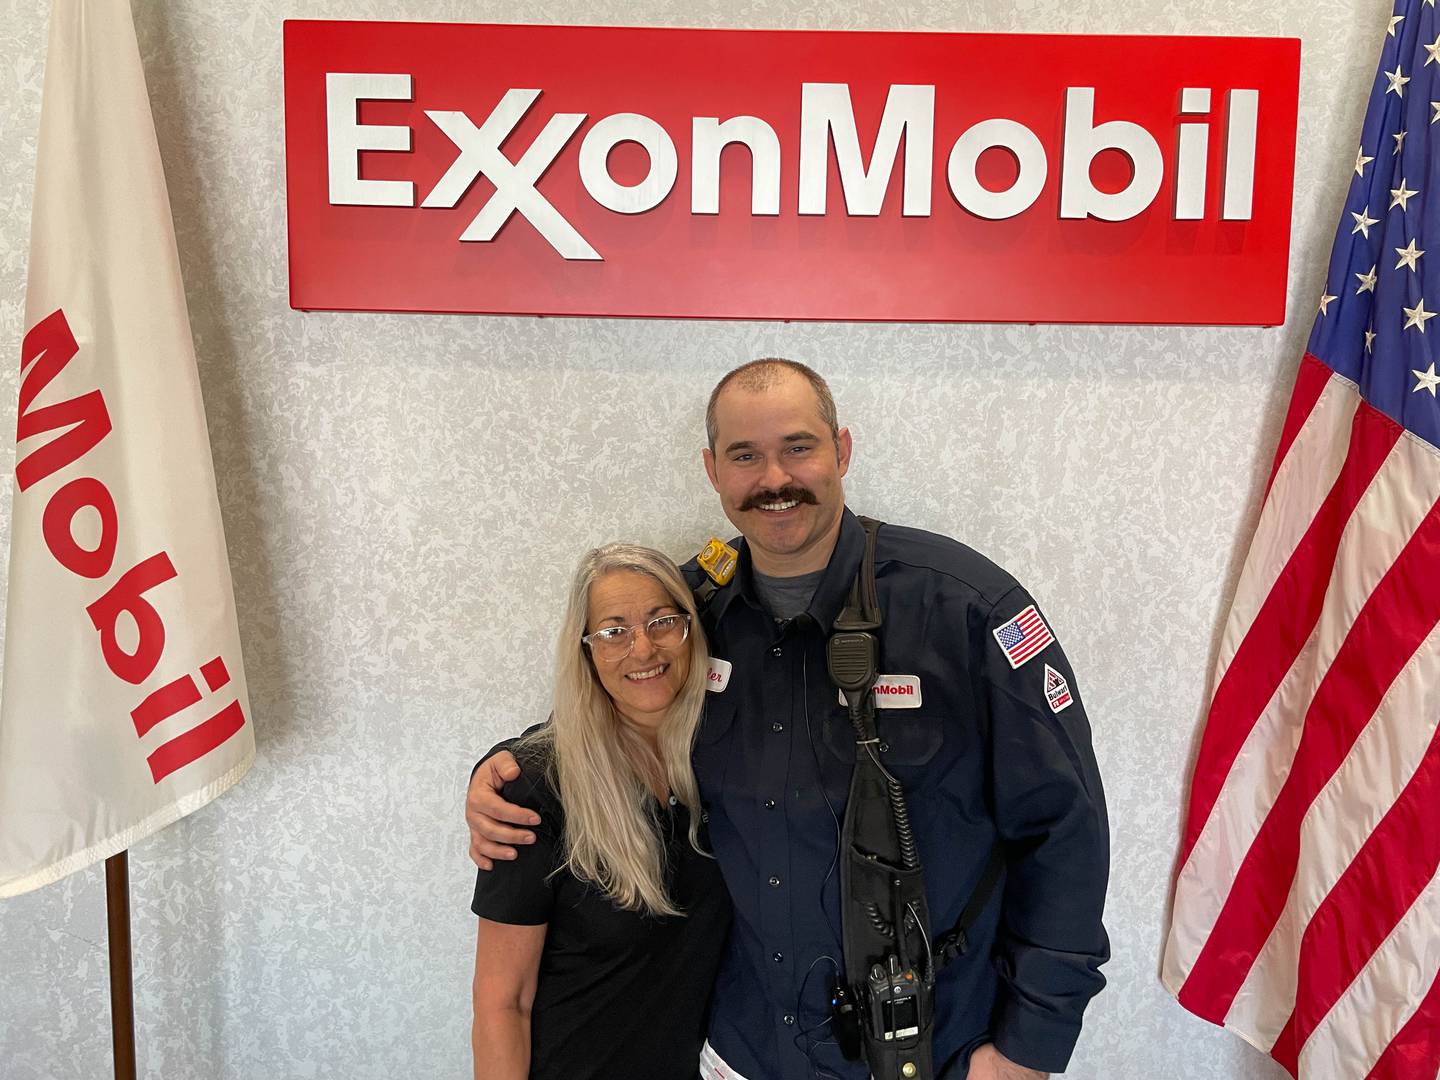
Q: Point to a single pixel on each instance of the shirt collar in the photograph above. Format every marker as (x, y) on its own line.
(830, 594)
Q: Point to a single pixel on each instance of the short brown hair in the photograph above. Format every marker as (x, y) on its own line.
(762, 374)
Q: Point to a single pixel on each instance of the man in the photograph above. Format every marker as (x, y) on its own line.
(992, 748)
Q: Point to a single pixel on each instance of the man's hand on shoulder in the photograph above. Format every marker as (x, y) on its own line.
(490, 817)
(987, 1063)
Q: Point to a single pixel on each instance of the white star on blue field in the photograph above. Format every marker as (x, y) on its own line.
(1383, 285)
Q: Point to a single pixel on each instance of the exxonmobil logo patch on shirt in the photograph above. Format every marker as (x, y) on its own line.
(894, 692)
(789, 174)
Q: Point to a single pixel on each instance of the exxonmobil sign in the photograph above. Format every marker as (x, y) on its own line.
(557, 170)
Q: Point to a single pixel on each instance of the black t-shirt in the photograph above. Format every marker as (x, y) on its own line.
(620, 993)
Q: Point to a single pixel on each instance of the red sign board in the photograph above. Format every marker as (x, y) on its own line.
(559, 170)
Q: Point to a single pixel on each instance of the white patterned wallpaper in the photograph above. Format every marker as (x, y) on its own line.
(404, 497)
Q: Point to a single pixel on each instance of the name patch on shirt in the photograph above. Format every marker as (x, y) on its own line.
(894, 692)
(719, 675)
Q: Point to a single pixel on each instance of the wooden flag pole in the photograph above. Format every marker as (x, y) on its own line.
(122, 995)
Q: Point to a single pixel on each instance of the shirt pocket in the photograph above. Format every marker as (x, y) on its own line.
(909, 738)
(712, 752)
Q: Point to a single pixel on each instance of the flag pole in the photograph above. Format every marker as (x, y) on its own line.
(122, 996)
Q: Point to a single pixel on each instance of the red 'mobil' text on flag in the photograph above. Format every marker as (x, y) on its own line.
(124, 702)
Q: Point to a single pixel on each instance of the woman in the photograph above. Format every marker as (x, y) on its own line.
(598, 945)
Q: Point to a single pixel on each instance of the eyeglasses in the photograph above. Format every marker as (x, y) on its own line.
(613, 643)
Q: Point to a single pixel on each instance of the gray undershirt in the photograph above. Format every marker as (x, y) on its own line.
(786, 597)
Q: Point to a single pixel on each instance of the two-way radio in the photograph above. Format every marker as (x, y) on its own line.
(883, 1005)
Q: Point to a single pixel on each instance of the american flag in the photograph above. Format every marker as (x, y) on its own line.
(1307, 905)
(1023, 636)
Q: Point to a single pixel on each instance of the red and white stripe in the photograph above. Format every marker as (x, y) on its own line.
(1307, 904)
(1037, 636)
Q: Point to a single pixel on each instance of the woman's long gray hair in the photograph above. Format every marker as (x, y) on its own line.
(601, 766)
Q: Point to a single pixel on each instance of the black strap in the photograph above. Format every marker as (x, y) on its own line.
(862, 609)
(950, 945)
(852, 654)
(862, 612)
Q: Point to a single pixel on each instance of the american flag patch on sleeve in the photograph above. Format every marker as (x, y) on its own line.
(1023, 636)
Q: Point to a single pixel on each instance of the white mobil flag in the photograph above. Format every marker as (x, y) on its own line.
(124, 704)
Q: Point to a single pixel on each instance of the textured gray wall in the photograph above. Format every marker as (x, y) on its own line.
(404, 496)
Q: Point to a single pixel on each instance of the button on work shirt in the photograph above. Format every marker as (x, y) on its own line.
(985, 759)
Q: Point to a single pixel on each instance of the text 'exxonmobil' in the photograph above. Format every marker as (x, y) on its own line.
(788, 174)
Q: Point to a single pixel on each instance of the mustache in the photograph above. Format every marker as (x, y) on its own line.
(784, 494)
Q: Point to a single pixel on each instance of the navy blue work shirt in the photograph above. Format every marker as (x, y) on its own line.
(992, 754)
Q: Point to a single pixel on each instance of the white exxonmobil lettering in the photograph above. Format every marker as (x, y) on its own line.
(514, 182)
(827, 122)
